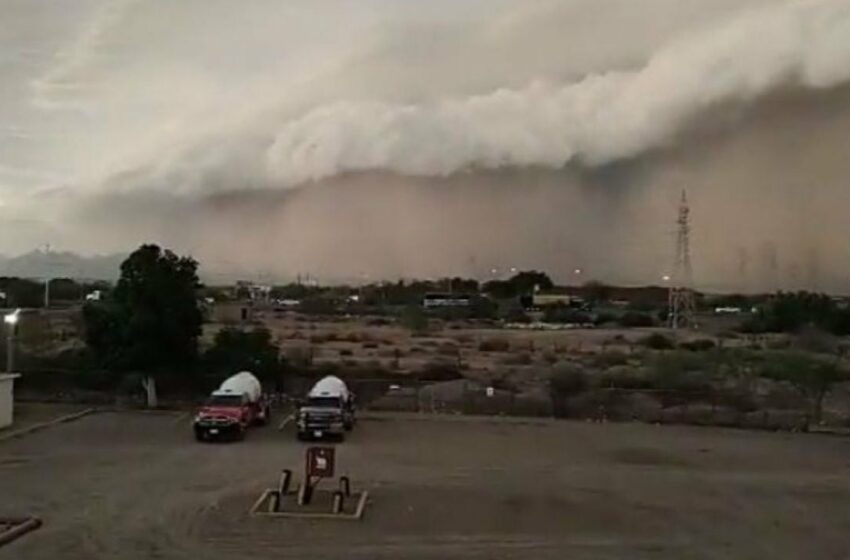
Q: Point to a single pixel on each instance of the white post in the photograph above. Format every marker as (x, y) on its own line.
(149, 384)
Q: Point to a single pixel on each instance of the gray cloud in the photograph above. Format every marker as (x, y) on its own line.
(423, 141)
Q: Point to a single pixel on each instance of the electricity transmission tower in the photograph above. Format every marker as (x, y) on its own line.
(680, 301)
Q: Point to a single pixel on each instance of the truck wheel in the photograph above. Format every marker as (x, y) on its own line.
(348, 426)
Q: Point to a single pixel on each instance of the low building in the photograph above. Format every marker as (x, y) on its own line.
(7, 398)
(230, 312)
(431, 301)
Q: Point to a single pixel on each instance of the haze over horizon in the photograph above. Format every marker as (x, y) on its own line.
(384, 139)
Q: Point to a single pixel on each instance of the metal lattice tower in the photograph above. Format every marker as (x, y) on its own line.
(680, 302)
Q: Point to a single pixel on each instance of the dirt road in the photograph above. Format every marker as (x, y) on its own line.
(125, 486)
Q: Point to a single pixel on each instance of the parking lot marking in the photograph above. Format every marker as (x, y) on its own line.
(285, 421)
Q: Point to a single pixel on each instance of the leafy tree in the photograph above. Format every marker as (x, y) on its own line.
(20, 292)
(523, 282)
(151, 322)
(597, 292)
(236, 350)
(564, 314)
(790, 312)
(811, 374)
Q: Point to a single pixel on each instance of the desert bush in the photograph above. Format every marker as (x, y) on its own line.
(603, 318)
(299, 356)
(609, 359)
(565, 315)
(414, 319)
(346, 352)
(634, 319)
(439, 370)
(623, 377)
(370, 345)
(682, 372)
(567, 380)
(517, 359)
(550, 357)
(494, 345)
(447, 349)
(698, 345)
(657, 341)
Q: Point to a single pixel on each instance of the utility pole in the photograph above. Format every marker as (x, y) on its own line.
(47, 278)
(680, 300)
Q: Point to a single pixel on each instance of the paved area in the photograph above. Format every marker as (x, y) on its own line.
(132, 485)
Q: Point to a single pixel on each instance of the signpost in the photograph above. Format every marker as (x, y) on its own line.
(319, 464)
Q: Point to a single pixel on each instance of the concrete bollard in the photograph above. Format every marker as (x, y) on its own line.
(345, 486)
(274, 502)
(338, 502)
(283, 484)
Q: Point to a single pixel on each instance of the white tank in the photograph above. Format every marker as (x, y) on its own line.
(243, 382)
(330, 386)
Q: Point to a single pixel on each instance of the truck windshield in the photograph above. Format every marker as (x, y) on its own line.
(324, 402)
(225, 400)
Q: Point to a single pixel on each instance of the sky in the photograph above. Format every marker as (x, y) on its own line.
(391, 138)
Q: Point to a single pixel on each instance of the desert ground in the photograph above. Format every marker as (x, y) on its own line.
(129, 485)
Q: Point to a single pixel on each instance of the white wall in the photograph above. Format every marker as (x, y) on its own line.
(7, 382)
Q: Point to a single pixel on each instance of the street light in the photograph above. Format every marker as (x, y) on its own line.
(11, 319)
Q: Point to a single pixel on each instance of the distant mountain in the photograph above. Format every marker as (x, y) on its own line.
(42, 264)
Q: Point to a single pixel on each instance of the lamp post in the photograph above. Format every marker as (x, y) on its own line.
(11, 319)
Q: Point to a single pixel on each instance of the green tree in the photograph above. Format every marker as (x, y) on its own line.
(596, 292)
(811, 374)
(151, 322)
(236, 350)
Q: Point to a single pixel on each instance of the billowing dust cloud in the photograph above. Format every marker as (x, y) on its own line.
(549, 136)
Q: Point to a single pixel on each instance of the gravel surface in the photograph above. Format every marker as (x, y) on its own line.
(133, 485)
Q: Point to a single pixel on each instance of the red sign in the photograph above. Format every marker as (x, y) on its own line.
(320, 461)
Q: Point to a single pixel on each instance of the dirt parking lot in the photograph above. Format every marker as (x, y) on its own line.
(132, 485)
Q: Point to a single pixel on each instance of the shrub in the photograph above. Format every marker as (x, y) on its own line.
(370, 345)
(464, 339)
(439, 370)
(565, 315)
(699, 345)
(494, 345)
(603, 318)
(634, 319)
(414, 319)
(623, 377)
(550, 357)
(567, 380)
(657, 341)
(518, 359)
(609, 359)
(345, 352)
(447, 349)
